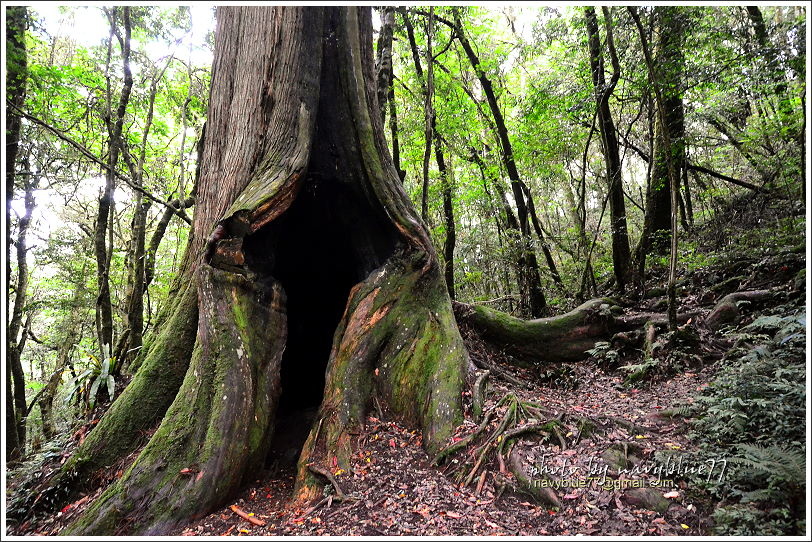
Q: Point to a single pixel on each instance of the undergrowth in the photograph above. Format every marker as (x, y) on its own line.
(752, 415)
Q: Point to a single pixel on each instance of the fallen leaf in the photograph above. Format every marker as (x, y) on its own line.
(671, 495)
(453, 515)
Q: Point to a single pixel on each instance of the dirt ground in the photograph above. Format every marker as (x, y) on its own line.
(394, 490)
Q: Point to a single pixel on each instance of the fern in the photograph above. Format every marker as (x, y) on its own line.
(780, 465)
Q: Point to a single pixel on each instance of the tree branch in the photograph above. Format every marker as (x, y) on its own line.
(92, 157)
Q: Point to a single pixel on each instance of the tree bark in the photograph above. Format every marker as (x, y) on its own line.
(115, 127)
(383, 63)
(450, 241)
(16, 341)
(16, 76)
(131, 339)
(621, 256)
(294, 157)
(669, 127)
(386, 87)
(553, 339)
(655, 78)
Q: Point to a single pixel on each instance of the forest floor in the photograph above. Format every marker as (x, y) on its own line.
(396, 490)
(608, 461)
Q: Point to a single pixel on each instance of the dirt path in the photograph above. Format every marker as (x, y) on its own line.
(395, 490)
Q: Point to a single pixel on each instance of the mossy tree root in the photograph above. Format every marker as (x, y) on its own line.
(218, 433)
(396, 342)
(134, 413)
(726, 310)
(557, 338)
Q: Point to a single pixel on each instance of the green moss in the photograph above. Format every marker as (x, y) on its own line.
(558, 338)
(142, 404)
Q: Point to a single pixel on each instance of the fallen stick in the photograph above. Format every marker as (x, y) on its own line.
(243, 515)
(481, 483)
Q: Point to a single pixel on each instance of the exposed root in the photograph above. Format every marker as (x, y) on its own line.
(327, 475)
(726, 310)
(480, 393)
(508, 420)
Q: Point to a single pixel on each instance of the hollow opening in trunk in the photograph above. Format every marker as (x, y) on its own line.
(329, 239)
(332, 237)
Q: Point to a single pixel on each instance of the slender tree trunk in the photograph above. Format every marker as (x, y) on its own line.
(73, 328)
(16, 341)
(158, 235)
(115, 126)
(383, 63)
(132, 339)
(545, 248)
(386, 87)
(512, 229)
(769, 53)
(529, 278)
(16, 76)
(450, 241)
(656, 83)
(364, 305)
(621, 255)
(427, 87)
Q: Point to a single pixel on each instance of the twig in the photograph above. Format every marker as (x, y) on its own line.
(481, 483)
(243, 515)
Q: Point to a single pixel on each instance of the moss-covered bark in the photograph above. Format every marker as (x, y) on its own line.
(219, 428)
(557, 338)
(135, 412)
(304, 109)
(398, 342)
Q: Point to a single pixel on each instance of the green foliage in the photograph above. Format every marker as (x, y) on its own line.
(639, 371)
(754, 414)
(604, 355)
(87, 384)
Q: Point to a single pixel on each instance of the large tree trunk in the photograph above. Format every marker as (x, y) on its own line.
(316, 283)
